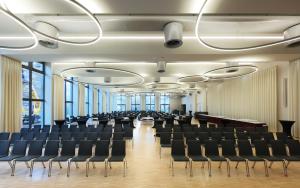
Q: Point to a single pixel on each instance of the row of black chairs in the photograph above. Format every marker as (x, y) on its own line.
(243, 152)
(52, 153)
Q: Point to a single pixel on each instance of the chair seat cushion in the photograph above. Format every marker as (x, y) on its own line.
(273, 158)
(180, 158)
(216, 158)
(10, 157)
(98, 158)
(27, 158)
(44, 158)
(80, 158)
(235, 158)
(293, 158)
(62, 158)
(116, 158)
(198, 158)
(253, 158)
(3, 156)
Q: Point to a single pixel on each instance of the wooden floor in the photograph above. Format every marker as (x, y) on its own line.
(146, 169)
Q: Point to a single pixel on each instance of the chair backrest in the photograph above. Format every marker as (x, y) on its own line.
(242, 136)
(245, 148)
(165, 138)
(19, 148)
(29, 136)
(42, 136)
(261, 129)
(4, 135)
(281, 136)
(294, 147)
(255, 136)
(267, 136)
(24, 131)
(105, 136)
(194, 148)
(46, 128)
(51, 148)
(68, 148)
(211, 148)
(37, 127)
(66, 136)
(203, 136)
(261, 148)
(229, 135)
(128, 132)
(78, 135)
(118, 136)
(92, 136)
(216, 136)
(228, 129)
(118, 148)
(36, 148)
(228, 148)
(14, 137)
(54, 136)
(278, 148)
(102, 148)
(190, 135)
(177, 135)
(4, 147)
(85, 148)
(178, 148)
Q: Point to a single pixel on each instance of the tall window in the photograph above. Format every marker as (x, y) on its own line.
(86, 100)
(150, 102)
(121, 102)
(99, 101)
(33, 79)
(165, 103)
(69, 97)
(135, 102)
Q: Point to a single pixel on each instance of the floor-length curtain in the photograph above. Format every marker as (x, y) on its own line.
(294, 96)
(58, 98)
(11, 94)
(253, 97)
(95, 101)
(81, 99)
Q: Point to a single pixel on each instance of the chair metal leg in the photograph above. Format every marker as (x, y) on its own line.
(228, 167)
(43, 164)
(94, 166)
(247, 168)
(266, 168)
(284, 167)
(202, 166)
(209, 167)
(10, 165)
(220, 164)
(59, 165)
(87, 168)
(27, 165)
(271, 163)
(50, 168)
(13, 168)
(253, 164)
(69, 168)
(237, 164)
(172, 166)
(105, 167)
(186, 163)
(191, 167)
(124, 167)
(31, 167)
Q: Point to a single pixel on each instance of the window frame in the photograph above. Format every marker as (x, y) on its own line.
(134, 106)
(164, 104)
(72, 96)
(152, 102)
(123, 103)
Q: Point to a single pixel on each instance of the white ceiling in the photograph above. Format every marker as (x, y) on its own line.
(132, 31)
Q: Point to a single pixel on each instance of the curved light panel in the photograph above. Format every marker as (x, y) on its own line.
(98, 76)
(89, 14)
(25, 26)
(192, 79)
(162, 86)
(199, 38)
(230, 72)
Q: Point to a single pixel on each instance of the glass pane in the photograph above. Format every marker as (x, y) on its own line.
(37, 112)
(69, 110)
(167, 100)
(86, 108)
(68, 91)
(38, 66)
(25, 114)
(25, 80)
(37, 85)
(86, 94)
(138, 99)
(147, 99)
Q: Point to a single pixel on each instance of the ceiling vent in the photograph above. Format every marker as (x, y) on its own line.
(232, 67)
(161, 66)
(173, 34)
(290, 33)
(49, 30)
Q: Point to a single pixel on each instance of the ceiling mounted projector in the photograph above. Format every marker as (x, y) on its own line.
(232, 67)
(49, 30)
(173, 34)
(292, 32)
(161, 66)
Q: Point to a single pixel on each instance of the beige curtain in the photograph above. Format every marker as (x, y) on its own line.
(81, 98)
(95, 101)
(10, 94)
(294, 96)
(58, 98)
(253, 97)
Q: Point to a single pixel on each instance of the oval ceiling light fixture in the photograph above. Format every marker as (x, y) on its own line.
(104, 77)
(192, 79)
(201, 41)
(88, 13)
(25, 26)
(163, 86)
(230, 72)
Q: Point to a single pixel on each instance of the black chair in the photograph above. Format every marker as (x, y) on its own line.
(229, 152)
(217, 136)
(84, 153)
(35, 151)
(105, 136)
(118, 154)
(101, 155)
(280, 153)
(66, 136)
(267, 137)
(4, 148)
(46, 128)
(178, 154)
(165, 141)
(177, 136)
(282, 136)
(195, 154)
(53, 136)
(24, 131)
(294, 149)
(245, 151)
(212, 153)
(242, 136)
(4, 135)
(190, 136)
(67, 152)
(42, 136)
(92, 136)
(228, 129)
(254, 136)
(229, 136)
(19, 150)
(128, 134)
(262, 151)
(203, 136)
(78, 136)
(51, 151)
(118, 136)
(14, 137)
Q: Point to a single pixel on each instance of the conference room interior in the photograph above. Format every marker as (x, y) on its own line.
(137, 93)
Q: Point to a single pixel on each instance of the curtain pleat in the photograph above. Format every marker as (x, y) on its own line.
(95, 101)
(58, 98)
(252, 97)
(11, 94)
(81, 99)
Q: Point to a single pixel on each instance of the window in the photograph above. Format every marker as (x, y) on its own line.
(86, 99)
(69, 97)
(99, 101)
(33, 79)
(121, 102)
(165, 103)
(150, 102)
(135, 102)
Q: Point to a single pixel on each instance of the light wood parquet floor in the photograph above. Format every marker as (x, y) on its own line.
(147, 170)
